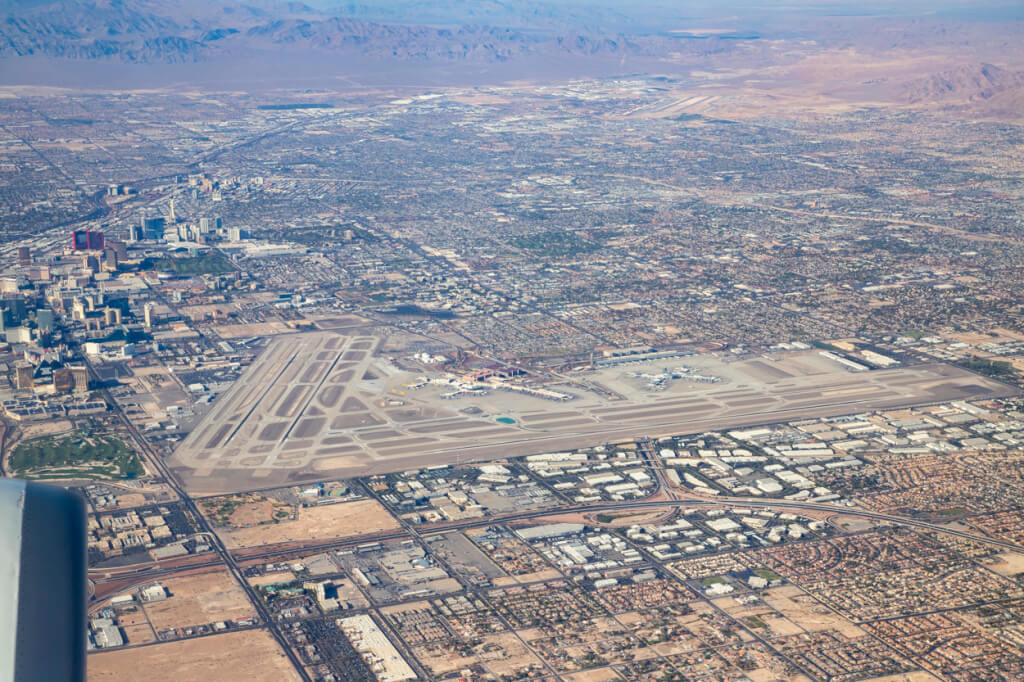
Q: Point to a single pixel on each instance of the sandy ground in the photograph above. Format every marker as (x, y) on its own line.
(549, 574)
(1007, 563)
(441, 661)
(679, 646)
(626, 519)
(252, 510)
(809, 615)
(316, 523)
(336, 321)
(347, 591)
(239, 331)
(247, 656)
(598, 675)
(45, 428)
(778, 623)
(198, 599)
(132, 618)
(149, 493)
(272, 578)
(138, 634)
(198, 313)
(126, 501)
(253, 513)
(916, 676)
(405, 608)
(855, 524)
(506, 654)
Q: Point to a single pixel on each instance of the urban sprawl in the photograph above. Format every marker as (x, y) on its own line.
(575, 382)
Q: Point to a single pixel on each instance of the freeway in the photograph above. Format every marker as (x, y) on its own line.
(676, 499)
(289, 551)
(657, 466)
(297, 549)
(204, 527)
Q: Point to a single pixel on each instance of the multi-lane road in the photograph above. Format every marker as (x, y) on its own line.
(224, 556)
(295, 549)
(665, 497)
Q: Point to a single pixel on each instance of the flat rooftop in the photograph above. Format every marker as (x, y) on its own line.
(325, 405)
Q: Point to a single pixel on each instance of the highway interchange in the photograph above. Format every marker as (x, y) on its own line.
(665, 497)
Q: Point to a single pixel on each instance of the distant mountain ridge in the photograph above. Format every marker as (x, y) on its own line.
(371, 43)
(967, 83)
(177, 31)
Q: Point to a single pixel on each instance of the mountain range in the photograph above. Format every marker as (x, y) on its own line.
(181, 31)
(940, 61)
(967, 83)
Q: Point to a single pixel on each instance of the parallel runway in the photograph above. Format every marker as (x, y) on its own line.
(321, 405)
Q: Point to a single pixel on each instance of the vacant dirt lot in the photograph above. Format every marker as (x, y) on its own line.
(239, 331)
(198, 599)
(505, 581)
(272, 578)
(255, 513)
(599, 675)
(505, 654)
(1008, 563)
(758, 614)
(804, 612)
(441, 660)
(138, 634)
(915, 676)
(240, 511)
(248, 656)
(316, 523)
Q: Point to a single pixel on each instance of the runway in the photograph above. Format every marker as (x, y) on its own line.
(322, 405)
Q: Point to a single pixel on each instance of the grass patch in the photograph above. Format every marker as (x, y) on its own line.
(714, 580)
(77, 455)
(955, 511)
(285, 590)
(212, 263)
(329, 234)
(555, 244)
(221, 511)
(767, 574)
(825, 346)
(989, 368)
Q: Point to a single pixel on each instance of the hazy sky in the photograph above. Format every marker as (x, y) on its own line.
(698, 7)
(544, 12)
